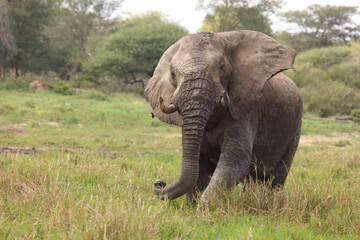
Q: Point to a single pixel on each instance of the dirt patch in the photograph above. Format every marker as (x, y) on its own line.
(14, 130)
(18, 150)
(54, 124)
(169, 135)
(20, 125)
(310, 140)
(34, 150)
(173, 135)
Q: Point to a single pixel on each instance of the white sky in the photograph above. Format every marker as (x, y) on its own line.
(184, 12)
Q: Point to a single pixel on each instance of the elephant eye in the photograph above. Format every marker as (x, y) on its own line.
(173, 79)
(222, 64)
(222, 67)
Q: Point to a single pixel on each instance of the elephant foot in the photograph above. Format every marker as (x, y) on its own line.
(203, 204)
(159, 184)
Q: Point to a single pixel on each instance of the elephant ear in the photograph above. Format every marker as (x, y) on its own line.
(160, 85)
(255, 58)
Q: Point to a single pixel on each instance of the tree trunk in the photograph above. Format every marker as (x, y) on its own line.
(4, 66)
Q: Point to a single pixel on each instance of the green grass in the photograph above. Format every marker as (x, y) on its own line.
(98, 156)
(92, 121)
(327, 127)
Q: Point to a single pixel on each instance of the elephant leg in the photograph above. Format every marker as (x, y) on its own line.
(203, 179)
(235, 158)
(283, 167)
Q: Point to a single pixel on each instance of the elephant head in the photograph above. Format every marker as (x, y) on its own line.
(204, 72)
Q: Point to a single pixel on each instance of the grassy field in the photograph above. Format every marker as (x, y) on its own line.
(82, 167)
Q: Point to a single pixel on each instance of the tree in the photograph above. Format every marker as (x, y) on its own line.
(28, 19)
(74, 25)
(227, 15)
(6, 38)
(86, 16)
(320, 26)
(51, 35)
(133, 51)
(7, 41)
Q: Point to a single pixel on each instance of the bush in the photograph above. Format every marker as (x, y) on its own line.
(86, 81)
(330, 98)
(355, 114)
(15, 84)
(63, 88)
(348, 72)
(324, 58)
(98, 96)
(135, 49)
(329, 79)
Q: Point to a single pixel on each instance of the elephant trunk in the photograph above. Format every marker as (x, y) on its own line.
(195, 106)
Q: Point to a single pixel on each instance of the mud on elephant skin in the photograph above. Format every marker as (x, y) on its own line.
(240, 116)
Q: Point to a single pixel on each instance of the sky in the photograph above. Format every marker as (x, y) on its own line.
(184, 12)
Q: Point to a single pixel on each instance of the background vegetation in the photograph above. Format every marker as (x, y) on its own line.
(85, 44)
(329, 79)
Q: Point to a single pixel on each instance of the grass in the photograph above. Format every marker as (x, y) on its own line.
(97, 157)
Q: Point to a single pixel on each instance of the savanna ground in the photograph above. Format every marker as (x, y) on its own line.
(82, 167)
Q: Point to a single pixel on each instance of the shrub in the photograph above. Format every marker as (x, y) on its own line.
(355, 114)
(329, 79)
(86, 81)
(15, 84)
(98, 96)
(348, 72)
(342, 143)
(324, 58)
(63, 88)
(330, 98)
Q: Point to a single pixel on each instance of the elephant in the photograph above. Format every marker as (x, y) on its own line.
(240, 115)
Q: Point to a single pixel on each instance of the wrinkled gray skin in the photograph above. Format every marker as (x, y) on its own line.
(240, 116)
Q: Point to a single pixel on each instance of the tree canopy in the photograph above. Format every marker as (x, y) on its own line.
(6, 38)
(320, 26)
(134, 50)
(28, 20)
(52, 35)
(227, 15)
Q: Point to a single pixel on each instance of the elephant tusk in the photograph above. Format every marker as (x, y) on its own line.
(166, 109)
(225, 100)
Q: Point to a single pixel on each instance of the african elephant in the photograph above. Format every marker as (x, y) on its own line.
(240, 116)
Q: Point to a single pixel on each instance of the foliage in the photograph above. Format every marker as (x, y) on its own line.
(62, 49)
(61, 87)
(7, 40)
(227, 15)
(342, 143)
(323, 58)
(134, 50)
(328, 98)
(320, 26)
(15, 84)
(355, 114)
(28, 21)
(348, 72)
(95, 161)
(84, 17)
(52, 35)
(329, 79)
